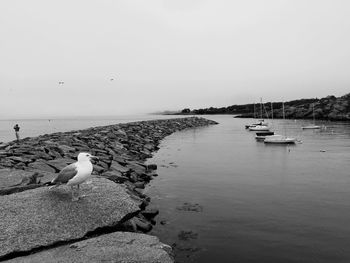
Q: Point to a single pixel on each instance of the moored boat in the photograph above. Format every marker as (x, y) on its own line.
(260, 136)
(312, 126)
(279, 139)
(260, 128)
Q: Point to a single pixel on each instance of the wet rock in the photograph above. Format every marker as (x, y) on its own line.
(190, 207)
(150, 213)
(163, 222)
(186, 235)
(42, 217)
(152, 167)
(142, 224)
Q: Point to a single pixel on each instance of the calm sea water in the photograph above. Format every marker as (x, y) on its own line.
(35, 127)
(261, 203)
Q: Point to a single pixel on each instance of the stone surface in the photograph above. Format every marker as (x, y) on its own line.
(12, 177)
(43, 216)
(122, 247)
(41, 165)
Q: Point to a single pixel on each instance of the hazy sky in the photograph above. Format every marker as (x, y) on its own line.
(168, 54)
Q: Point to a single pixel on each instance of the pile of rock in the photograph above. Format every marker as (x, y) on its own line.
(45, 217)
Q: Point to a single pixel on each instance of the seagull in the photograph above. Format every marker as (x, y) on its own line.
(75, 173)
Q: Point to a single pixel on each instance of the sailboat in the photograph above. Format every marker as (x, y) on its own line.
(312, 126)
(262, 126)
(254, 124)
(261, 136)
(280, 139)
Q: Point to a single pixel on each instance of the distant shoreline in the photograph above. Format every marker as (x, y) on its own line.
(329, 108)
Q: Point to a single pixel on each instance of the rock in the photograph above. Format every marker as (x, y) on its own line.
(142, 224)
(98, 169)
(140, 185)
(66, 148)
(150, 213)
(136, 167)
(43, 217)
(14, 177)
(152, 167)
(115, 166)
(115, 176)
(190, 207)
(115, 247)
(44, 175)
(19, 159)
(41, 165)
(59, 163)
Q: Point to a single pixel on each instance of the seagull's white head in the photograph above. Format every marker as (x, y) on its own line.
(82, 157)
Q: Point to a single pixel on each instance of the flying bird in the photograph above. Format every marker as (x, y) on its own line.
(75, 174)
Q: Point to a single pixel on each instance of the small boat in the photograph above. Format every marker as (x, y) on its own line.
(279, 139)
(260, 128)
(254, 124)
(260, 122)
(260, 136)
(312, 126)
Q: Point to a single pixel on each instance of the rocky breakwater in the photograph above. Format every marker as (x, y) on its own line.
(38, 224)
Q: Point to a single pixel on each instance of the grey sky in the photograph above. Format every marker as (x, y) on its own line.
(168, 54)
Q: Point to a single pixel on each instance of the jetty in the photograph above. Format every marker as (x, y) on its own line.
(38, 224)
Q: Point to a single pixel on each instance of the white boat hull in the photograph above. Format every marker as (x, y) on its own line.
(279, 139)
(259, 128)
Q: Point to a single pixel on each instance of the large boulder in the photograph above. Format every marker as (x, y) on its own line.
(43, 216)
(116, 247)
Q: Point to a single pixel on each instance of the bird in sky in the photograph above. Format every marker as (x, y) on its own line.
(75, 174)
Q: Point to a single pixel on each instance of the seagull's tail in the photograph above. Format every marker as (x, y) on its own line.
(51, 184)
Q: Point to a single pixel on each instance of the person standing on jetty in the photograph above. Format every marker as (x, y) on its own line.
(16, 128)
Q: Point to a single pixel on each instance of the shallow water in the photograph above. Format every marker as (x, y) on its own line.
(261, 203)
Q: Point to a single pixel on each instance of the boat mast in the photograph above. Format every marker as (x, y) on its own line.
(272, 113)
(284, 119)
(261, 109)
(313, 112)
(254, 111)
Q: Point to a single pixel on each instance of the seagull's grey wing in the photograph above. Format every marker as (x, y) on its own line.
(66, 174)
